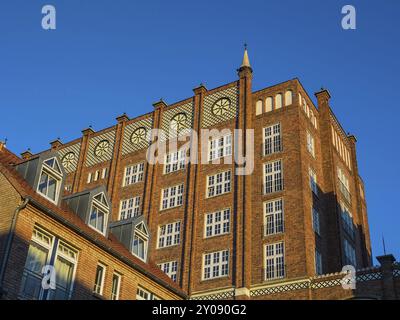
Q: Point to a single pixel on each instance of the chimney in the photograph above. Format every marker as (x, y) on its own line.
(56, 144)
(26, 154)
(386, 262)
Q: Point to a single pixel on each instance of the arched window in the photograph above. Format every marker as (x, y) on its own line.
(288, 98)
(300, 100)
(278, 101)
(268, 104)
(258, 107)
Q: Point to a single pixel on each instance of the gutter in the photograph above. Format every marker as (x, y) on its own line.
(101, 245)
(10, 239)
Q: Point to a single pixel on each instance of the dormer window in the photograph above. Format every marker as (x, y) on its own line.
(99, 213)
(140, 241)
(50, 179)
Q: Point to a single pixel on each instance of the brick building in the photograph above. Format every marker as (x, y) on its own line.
(283, 231)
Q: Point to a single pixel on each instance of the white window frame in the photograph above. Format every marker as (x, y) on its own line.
(150, 295)
(272, 139)
(100, 207)
(218, 184)
(170, 268)
(220, 147)
(129, 208)
(133, 174)
(172, 197)
(275, 259)
(310, 144)
(175, 161)
(104, 173)
(145, 239)
(275, 176)
(217, 223)
(216, 264)
(57, 176)
(116, 295)
(169, 236)
(316, 221)
(100, 287)
(274, 217)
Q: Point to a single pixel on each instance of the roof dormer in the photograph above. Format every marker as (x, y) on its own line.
(93, 207)
(44, 174)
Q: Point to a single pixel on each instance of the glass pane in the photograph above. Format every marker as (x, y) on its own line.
(43, 183)
(51, 192)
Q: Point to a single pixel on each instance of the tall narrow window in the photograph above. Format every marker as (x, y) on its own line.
(169, 234)
(116, 285)
(316, 221)
(129, 208)
(220, 147)
(99, 213)
(274, 261)
(170, 268)
(273, 178)
(219, 183)
(313, 181)
(310, 144)
(217, 223)
(318, 262)
(104, 173)
(175, 161)
(172, 197)
(259, 107)
(50, 180)
(347, 220)
(278, 101)
(216, 264)
(344, 185)
(268, 104)
(272, 139)
(349, 254)
(288, 98)
(99, 279)
(133, 174)
(38, 256)
(273, 218)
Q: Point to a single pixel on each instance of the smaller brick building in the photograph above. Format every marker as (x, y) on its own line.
(37, 233)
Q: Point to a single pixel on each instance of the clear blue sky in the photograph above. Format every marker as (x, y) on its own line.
(110, 57)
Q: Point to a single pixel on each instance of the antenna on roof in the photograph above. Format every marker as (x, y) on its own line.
(384, 246)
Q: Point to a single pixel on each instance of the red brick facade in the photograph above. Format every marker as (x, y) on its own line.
(299, 118)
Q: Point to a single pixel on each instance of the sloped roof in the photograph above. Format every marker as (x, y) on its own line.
(66, 216)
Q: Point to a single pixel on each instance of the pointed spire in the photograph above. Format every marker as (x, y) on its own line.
(246, 61)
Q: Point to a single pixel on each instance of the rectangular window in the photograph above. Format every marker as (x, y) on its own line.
(318, 263)
(272, 139)
(129, 208)
(170, 268)
(104, 173)
(215, 264)
(143, 294)
(175, 161)
(273, 217)
(219, 183)
(313, 181)
(139, 248)
(99, 279)
(316, 221)
(89, 178)
(273, 177)
(169, 234)
(310, 144)
(344, 185)
(220, 147)
(172, 197)
(133, 174)
(217, 223)
(116, 285)
(349, 254)
(347, 220)
(39, 255)
(274, 261)
(96, 175)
